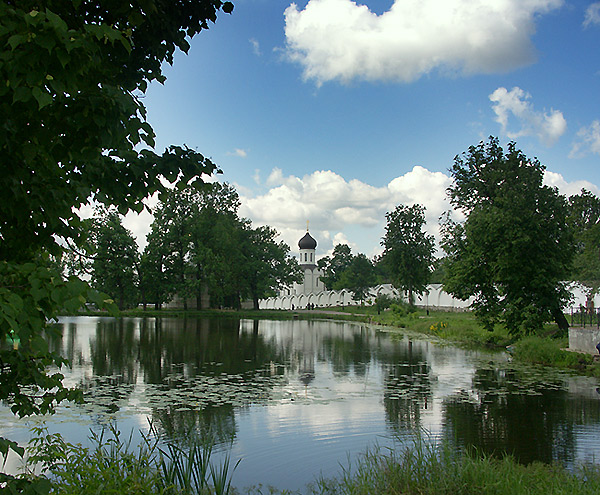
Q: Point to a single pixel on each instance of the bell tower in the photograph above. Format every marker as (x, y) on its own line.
(307, 246)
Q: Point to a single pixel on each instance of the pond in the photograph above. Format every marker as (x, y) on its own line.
(298, 398)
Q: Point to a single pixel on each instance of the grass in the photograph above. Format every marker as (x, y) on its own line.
(462, 328)
(113, 466)
(430, 469)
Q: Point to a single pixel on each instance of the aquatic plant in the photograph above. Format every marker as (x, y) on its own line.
(429, 468)
(113, 465)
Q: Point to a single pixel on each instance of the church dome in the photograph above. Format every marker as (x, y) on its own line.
(307, 242)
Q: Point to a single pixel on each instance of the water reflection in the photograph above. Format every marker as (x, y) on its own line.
(305, 393)
(509, 412)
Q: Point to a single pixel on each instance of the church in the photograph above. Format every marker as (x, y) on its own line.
(312, 292)
(308, 262)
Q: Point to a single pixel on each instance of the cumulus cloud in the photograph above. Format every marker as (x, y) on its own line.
(588, 141)
(338, 209)
(546, 126)
(592, 15)
(569, 188)
(341, 40)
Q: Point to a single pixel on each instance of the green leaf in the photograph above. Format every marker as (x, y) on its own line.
(43, 98)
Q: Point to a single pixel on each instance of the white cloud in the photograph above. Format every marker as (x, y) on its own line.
(275, 177)
(341, 40)
(338, 209)
(255, 47)
(592, 15)
(588, 141)
(238, 152)
(547, 127)
(554, 179)
(349, 212)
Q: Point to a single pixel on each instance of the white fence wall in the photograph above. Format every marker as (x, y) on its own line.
(436, 298)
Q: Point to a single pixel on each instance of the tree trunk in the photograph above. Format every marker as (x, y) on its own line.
(561, 321)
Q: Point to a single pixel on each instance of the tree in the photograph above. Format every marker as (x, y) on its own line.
(514, 250)
(154, 284)
(408, 250)
(74, 128)
(116, 260)
(584, 219)
(194, 243)
(358, 277)
(332, 268)
(269, 265)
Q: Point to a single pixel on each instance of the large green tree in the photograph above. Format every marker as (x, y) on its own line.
(333, 266)
(268, 264)
(199, 245)
(116, 260)
(74, 128)
(358, 277)
(514, 250)
(408, 249)
(584, 219)
(194, 244)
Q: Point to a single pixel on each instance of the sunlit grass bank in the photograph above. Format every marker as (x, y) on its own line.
(462, 328)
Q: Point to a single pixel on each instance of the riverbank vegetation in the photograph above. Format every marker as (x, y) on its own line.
(112, 465)
(545, 347)
(432, 469)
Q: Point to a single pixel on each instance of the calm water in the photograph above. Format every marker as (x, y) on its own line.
(294, 399)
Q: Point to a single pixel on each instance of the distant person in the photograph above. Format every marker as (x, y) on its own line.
(293, 307)
(598, 347)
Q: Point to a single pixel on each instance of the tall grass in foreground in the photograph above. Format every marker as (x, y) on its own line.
(428, 469)
(113, 466)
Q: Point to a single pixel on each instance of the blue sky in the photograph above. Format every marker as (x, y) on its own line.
(334, 112)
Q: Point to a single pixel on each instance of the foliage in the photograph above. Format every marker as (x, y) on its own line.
(358, 277)
(73, 129)
(112, 465)
(268, 264)
(333, 267)
(408, 250)
(343, 270)
(199, 243)
(116, 260)
(584, 219)
(514, 249)
(430, 469)
(548, 352)
(383, 301)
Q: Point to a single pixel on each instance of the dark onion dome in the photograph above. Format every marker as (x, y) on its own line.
(307, 242)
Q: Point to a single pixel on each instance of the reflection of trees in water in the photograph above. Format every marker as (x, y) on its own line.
(114, 350)
(211, 425)
(407, 387)
(349, 353)
(533, 424)
(201, 346)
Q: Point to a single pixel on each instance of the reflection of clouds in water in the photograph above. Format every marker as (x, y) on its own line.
(250, 379)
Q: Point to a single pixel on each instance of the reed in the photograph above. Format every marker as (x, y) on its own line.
(425, 468)
(114, 466)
